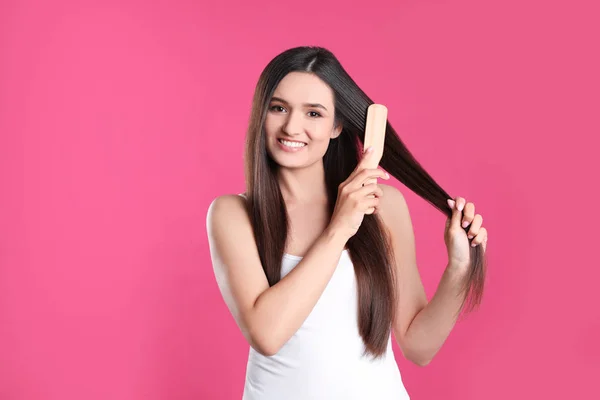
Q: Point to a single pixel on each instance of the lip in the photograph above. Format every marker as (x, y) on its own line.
(289, 140)
(290, 149)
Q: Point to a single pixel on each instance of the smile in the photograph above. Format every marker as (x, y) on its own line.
(290, 147)
(291, 144)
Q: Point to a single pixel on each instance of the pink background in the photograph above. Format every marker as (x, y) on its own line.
(121, 121)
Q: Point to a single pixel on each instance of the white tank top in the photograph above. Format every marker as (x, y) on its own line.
(323, 359)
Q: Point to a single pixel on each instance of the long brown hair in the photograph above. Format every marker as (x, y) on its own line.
(370, 248)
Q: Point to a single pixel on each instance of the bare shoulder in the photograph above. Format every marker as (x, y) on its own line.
(395, 215)
(226, 209)
(393, 204)
(226, 202)
(389, 189)
(229, 231)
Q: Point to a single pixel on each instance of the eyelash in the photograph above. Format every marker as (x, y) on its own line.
(317, 116)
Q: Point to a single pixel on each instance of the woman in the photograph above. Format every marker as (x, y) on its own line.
(316, 271)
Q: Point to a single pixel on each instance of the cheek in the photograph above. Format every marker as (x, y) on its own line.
(321, 132)
(272, 126)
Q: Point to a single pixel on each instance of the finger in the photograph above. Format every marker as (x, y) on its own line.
(456, 214)
(371, 205)
(367, 192)
(368, 176)
(374, 180)
(359, 176)
(479, 238)
(366, 153)
(372, 188)
(475, 225)
(468, 214)
(377, 193)
(372, 173)
(460, 203)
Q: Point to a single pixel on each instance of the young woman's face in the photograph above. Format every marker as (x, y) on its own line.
(299, 122)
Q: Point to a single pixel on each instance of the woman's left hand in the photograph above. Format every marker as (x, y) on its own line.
(455, 236)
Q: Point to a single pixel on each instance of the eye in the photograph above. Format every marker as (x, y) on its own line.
(273, 108)
(313, 114)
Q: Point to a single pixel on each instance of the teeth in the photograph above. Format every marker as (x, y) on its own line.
(292, 144)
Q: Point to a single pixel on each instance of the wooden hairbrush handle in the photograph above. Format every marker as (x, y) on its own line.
(375, 136)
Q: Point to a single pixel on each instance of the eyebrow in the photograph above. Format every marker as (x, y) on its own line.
(316, 105)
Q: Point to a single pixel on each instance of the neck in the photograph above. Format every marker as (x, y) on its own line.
(303, 185)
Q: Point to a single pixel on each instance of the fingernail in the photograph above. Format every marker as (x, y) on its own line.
(465, 224)
(470, 237)
(450, 203)
(387, 175)
(460, 206)
(370, 149)
(473, 244)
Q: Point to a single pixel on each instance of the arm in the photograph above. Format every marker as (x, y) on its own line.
(267, 316)
(420, 327)
(432, 325)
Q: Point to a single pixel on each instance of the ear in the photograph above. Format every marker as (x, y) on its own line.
(336, 131)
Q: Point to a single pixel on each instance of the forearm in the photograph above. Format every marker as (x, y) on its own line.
(432, 325)
(280, 310)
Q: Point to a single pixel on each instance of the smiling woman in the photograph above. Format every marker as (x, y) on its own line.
(317, 267)
(294, 125)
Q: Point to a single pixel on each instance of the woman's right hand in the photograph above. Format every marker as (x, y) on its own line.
(355, 198)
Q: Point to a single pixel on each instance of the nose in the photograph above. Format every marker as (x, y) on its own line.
(293, 124)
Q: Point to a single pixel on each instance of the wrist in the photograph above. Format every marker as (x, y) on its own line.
(457, 269)
(335, 237)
